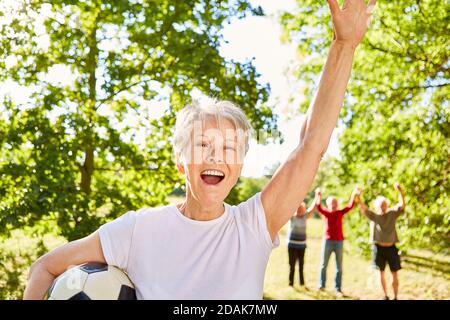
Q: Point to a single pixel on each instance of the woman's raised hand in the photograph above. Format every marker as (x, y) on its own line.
(350, 23)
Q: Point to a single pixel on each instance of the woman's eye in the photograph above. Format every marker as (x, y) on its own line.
(229, 148)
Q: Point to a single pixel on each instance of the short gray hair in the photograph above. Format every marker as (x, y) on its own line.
(330, 200)
(197, 110)
(379, 200)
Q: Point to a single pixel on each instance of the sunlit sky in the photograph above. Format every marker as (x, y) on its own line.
(252, 37)
(259, 37)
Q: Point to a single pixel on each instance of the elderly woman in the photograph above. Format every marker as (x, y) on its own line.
(383, 235)
(203, 248)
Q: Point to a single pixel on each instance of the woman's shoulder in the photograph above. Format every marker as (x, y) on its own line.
(252, 202)
(155, 210)
(150, 212)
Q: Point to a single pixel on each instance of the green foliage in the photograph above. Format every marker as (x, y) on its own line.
(83, 152)
(18, 251)
(270, 170)
(246, 188)
(396, 114)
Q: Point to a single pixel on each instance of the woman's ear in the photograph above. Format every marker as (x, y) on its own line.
(240, 169)
(180, 168)
(179, 162)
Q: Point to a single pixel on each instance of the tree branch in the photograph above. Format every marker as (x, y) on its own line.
(124, 169)
(112, 95)
(368, 81)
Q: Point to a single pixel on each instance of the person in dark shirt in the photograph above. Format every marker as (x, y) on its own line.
(383, 235)
(296, 240)
(334, 237)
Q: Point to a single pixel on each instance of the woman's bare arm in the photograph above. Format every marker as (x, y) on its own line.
(49, 266)
(291, 182)
(311, 210)
(312, 207)
(401, 202)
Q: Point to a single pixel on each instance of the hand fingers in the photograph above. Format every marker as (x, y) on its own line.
(334, 6)
(361, 3)
(348, 3)
(371, 6)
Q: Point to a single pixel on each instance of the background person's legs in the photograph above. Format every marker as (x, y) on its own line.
(393, 258)
(301, 258)
(292, 259)
(379, 262)
(395, 283)
(338, 252)
(326, 252)
(383, 283)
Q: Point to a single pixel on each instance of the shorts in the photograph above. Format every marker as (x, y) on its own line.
(381, 255)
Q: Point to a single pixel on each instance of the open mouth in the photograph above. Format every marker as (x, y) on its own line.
(212, 177)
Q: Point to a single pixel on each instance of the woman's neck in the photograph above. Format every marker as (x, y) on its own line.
(193, 209)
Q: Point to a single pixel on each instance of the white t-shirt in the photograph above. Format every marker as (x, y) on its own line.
(169, 256)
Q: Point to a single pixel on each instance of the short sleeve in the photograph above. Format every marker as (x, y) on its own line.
(371, 215)
(116, 238)
(397, 211)
(253, 214)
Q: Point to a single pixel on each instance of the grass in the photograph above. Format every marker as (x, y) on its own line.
(16, 255)
(425, 275)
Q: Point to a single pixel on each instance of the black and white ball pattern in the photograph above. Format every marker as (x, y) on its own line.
(92, 281)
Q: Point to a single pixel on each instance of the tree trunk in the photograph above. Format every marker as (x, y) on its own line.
(87, 169)
(92, 60)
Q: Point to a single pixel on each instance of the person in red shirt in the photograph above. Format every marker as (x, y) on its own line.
(334, 237)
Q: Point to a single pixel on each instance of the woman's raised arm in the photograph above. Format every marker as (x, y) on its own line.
(291, 182)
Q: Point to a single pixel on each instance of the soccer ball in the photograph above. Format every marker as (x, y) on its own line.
(92, 281)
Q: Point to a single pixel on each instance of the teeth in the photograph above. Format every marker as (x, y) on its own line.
(213, 173)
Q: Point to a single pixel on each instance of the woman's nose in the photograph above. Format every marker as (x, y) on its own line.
(214, 156)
